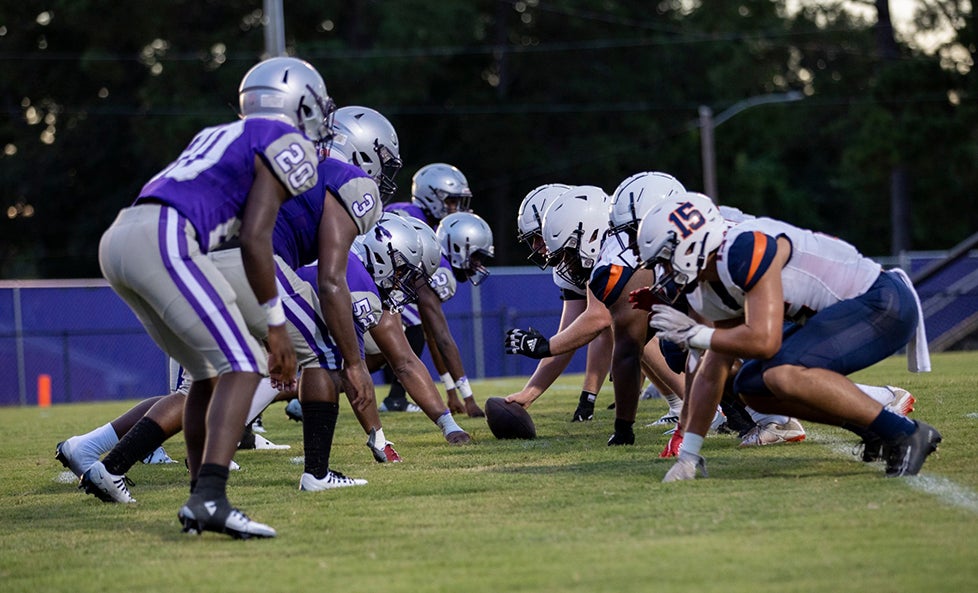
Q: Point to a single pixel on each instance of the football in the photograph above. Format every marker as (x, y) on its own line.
(508, 420)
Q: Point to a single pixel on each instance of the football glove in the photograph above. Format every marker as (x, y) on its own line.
(643, 299)
(679, 328)
(529, 343)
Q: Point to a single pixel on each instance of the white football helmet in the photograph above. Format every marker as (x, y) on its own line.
(436, 183)
(574, 227)
(289, 89)
(529, 220)
(634, 197)
(367, 139)
(466, 240)
(392, 253)
(678, 235)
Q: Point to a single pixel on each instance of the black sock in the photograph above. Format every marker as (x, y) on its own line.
(623, 427)
(863, 433)
(587, 398)
(318, 424)
(212, 482)
(247, 439)
(141, 440)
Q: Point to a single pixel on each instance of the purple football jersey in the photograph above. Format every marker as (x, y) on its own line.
(296, 235)
(210, 181)
(359, 281)
(406, 209)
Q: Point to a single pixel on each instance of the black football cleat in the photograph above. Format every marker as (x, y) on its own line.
(198, 516)
(621, 438)
(906, 456)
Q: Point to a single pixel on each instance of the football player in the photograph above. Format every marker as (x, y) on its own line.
(581, 214)
(229, 182)
(438, 190)
(843, 314)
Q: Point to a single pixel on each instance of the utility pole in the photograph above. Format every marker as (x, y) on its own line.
(708, 123)
(274, 29)
(708, 153)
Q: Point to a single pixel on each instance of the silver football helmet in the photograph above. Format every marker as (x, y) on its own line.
(529, 220)
(466, 240)
(574, 227)
(367, 139)
(392, 253)
(677, 237)
(430, 246)
(634, 197)
(440, 189)
(289, 89)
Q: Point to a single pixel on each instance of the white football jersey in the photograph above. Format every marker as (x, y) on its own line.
(562, 283)
(612, 253)
(821, 270)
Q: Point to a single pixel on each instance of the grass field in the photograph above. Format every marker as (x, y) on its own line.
(561, 513)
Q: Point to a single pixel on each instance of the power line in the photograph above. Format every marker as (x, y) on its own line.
(685, 38)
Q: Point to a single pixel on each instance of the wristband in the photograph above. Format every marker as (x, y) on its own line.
(446, 380)
(463, 387)
(701, 339)
(274, 312)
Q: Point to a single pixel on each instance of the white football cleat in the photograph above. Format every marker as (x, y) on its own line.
(903, 401)
(75, 455)
(773, 433)
(105, 486)
(158, 456)
(265, 444)
(333, 479)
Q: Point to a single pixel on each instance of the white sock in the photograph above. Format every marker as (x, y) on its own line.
(380, 439)
(762, 419)
(675, 403)
(692, 443)
(264, 395)
(97, 442)
(881, 394)
(447, 424)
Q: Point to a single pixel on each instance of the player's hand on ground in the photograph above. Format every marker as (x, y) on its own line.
(643, 299)
(528, 342)
(679, 328)
(472, 409)
(281, 356)
(455, 404)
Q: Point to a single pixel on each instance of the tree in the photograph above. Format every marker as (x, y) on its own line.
(516, 94)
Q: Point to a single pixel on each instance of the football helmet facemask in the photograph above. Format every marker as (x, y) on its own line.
(466, 240)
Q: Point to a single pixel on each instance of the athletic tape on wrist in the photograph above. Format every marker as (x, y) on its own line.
(463, 386)
(274, 312)
(446, 380)
(701, 339)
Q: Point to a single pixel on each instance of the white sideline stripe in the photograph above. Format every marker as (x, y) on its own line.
(971, 415)
(66, 477)
(943, 489)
